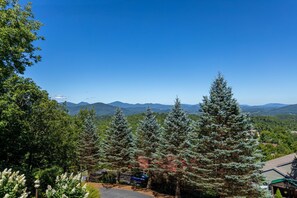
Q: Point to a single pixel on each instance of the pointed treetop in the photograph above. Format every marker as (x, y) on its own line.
(220, 97)
(177, 103)
(148, 110)
(118, 111)
(149, 115)
(177, 126)
(220, 88)
(119, 115)
(118, 144)
(147, 136)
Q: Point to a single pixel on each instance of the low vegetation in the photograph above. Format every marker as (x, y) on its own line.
(67, 186)
(12, 184)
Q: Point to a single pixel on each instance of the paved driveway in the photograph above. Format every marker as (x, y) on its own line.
(117, 193)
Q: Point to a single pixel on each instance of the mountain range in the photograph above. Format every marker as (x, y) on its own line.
(103, 109)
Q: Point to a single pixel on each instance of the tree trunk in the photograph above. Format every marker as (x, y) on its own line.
(149, 182)
(177, 189)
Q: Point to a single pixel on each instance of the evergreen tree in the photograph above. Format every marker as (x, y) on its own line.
(173, 147)
(88, 148)
(229, 145)
(196, 170)
(118, 144)
(147, 142)
(278, 194)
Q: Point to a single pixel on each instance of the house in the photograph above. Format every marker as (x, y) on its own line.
(278, 168)
(276, 173)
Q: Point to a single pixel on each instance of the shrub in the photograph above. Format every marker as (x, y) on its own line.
(12, 184)
(48, 176)
(278, 194)
(67, 186)
(108, 177)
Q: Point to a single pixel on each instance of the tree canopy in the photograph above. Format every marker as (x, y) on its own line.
(118, 145)
(18, 36)
(229, 143)
(88, 143)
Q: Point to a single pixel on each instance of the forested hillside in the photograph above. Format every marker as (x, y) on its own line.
(278, 135)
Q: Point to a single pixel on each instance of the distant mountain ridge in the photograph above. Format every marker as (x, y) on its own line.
(130, 109)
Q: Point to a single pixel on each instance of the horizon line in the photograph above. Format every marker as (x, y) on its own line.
(167, 104)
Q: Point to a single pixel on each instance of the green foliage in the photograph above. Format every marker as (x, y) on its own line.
(278, 194)
(109, 177)
(147, 136)
(37, 132)
(12, 184)
(67, 186)
(88, 144)
(118, 143)
(18, 33)
(147, 142)
(277, 135)
(269, 123)
(173, 147)
(228, 144)
(48, 176)
(93, 192)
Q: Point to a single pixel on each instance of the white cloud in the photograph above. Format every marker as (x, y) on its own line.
(60, 97)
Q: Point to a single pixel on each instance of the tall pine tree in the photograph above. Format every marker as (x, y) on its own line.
(147, 141)
(118, 144)
(229, 144)
(174, 145)
(88, 148)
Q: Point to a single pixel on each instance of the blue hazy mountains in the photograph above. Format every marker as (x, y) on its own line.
(130, 109)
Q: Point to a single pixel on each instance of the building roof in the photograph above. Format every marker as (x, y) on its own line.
(278, 168)
(279, 161)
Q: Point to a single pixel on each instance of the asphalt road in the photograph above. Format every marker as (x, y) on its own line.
(117, 193)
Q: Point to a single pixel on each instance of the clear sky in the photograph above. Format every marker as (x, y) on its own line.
(154, 50)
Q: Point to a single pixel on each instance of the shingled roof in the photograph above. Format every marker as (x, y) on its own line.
(278, 168)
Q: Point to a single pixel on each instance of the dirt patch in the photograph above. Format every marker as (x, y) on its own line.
(131, 188)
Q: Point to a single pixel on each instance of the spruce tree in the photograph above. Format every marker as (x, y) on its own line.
(278, 194)
(197, 172)
(118, 144)
(147, 141)
(228, 143)
(88, 147)
(174, 145)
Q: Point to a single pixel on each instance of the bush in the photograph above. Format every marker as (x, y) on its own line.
(12, 184)
(48, 176)
(67, 186)
(278, 194)
(109, 177)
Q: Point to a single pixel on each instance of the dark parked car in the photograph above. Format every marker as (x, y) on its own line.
(139, 179)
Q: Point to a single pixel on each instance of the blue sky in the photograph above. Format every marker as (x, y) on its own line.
(154, 50)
